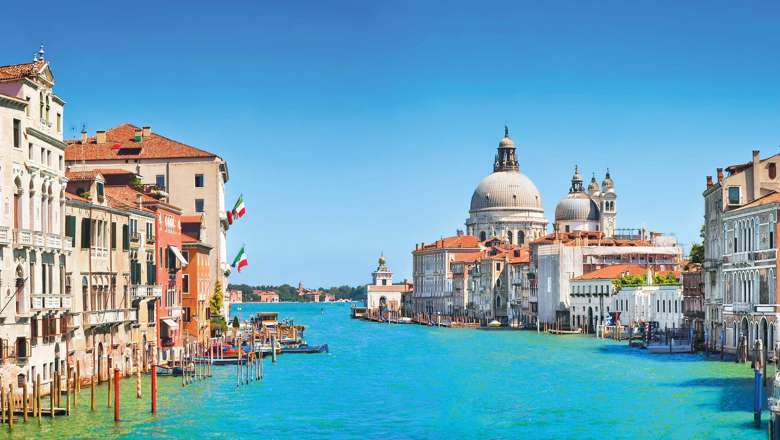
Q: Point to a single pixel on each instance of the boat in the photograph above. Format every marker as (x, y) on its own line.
(404, 320)
(494, 324)
(306, 348)
(221, 361)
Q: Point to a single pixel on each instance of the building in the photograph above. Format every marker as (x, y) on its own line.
(35, 269)
(184, 176)
(592, 211)
(432, 272)
(561, 257)
(497, 283)
(267, 296)
(660, 304)
(382, 295)
(740, 253)
(235, 296)
(100, 237)
(506, 204)
(309, 295)
(196, 280)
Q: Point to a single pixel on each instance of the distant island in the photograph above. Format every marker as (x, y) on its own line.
(288, 293)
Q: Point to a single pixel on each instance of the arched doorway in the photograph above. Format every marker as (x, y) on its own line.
(765, 334)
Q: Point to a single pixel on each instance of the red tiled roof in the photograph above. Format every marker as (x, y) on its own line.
(454, 242)
(19, 71)
(72, 196)
(197, 218)
(129, 197)
(772, 197)
(153, 146)
(587, 238)
(617, 270)
(81, 175)
(403, 288)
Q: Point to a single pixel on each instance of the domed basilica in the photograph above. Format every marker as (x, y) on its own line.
(507, 204)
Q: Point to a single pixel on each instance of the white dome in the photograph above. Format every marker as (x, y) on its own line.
(576, 206)
(507, 190)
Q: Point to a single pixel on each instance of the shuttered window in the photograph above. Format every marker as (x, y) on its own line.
(86, 233)
(70, 229)
(113, 235)
(125, 238)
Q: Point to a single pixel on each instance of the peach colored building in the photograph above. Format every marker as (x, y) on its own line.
(196, 282)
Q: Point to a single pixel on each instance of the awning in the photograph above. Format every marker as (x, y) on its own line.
(170, 323)
(178, 254)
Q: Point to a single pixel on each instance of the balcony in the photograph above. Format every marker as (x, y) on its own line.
(51, 302)
(135, 239)
(5, 236)
(742, 308)
(38, 239)
(73, 321)
(143, 291)
(167, 341)
(150, 239)
(104, 317)
(23, 237)
(53, 241)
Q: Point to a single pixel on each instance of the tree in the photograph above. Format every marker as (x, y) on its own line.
(215, 303)
(697, 249)
(236, 324)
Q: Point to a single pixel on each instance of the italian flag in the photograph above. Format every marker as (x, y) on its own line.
(240, 209)
(241, 261)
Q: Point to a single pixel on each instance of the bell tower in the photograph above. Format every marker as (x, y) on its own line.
(608, 205)
(382, 275)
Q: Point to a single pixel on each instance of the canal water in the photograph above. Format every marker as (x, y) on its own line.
(408, 381)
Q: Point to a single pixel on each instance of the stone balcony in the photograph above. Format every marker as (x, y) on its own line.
(107, 317)
(53, 241)
(38, 239)
(144, 291)
(5, 236)
(51, 302)
(23, 237)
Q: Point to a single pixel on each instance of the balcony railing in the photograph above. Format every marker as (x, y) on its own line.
(135, 239)
(143, 291)
(38, 239)
(742, 307)
(53, 241)
(23, 237)
(5, 236)
(51, 302)
(115, 316)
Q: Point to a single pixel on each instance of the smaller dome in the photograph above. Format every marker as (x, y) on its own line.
(607, 183)
(593, 187)
(506, 142)
(576, 206)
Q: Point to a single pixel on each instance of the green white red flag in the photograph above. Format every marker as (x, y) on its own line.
(240, 209)
(241, 260)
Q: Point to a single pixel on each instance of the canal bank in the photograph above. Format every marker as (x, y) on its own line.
(409, 381)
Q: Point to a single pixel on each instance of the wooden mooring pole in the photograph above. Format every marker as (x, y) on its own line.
(116, 394)
(25, 403)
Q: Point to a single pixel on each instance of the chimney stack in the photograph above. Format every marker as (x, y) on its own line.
(720, 175)
(756, 183)
(709, 182)
(83, 136)
(147, 131)
(137, 136)
(101, 136)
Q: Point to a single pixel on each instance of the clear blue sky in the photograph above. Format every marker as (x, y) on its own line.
(358, 127)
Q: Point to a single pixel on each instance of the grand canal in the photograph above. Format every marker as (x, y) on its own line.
(382, 381)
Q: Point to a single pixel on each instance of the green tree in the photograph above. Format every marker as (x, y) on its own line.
(216, 301)
(236, 324)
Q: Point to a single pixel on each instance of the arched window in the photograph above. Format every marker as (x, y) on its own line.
(520, 237)
(509, 237)
(772, 171)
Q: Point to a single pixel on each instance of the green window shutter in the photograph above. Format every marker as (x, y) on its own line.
(125, 238)
(86, 232)
(70, 229)
(113, 235)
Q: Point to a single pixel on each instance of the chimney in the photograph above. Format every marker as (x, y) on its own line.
(137, 136)
(83, 136)
(720, 175)
(147, 131)
(101, 136)
(140, 201)
(756, 187)
(709, 182)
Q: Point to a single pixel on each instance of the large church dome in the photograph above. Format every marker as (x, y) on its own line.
(506, 189)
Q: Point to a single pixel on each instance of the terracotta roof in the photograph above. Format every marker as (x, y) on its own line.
(72, 196)
(587, 238)
(129, 198)
(465, 257)
(403, 288)
(454, 242)
(19, 71)
(81, 175)
(120, 145)
(773, 197)
(617, 270)
(197, 218)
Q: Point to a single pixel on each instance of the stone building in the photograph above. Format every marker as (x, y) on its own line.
(433, 277)
(384, 296)
(661, 304)
(34, 269)
(187, 177)
(506, 204)
(740, 253)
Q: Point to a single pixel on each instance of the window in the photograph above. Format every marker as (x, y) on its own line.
(48, 158)
(70, 229)
(734, 196)
(198, 205)
(100, 192)
(149, 232)
(113, 235)
(159, 180)
(199, 181)
(17, 133)
(61, 161)
(185, 283)
(771, 239)
(59, 122)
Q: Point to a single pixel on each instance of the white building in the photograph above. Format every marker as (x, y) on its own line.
(382, 295)
(34, 277)
(592, 211)
(661, 304)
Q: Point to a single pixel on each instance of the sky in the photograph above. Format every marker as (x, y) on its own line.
(357, 128)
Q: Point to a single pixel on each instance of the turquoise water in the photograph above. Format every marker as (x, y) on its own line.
(407, 381)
